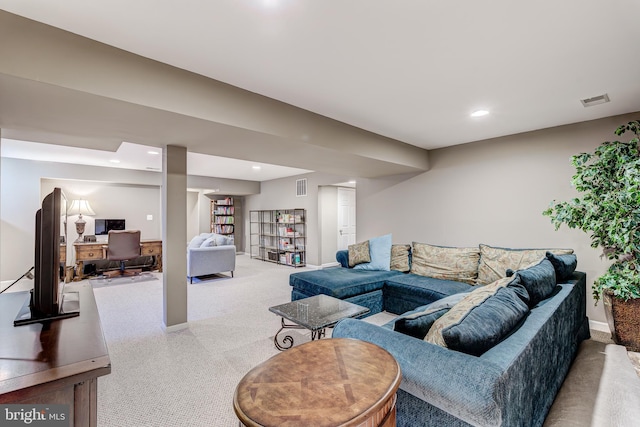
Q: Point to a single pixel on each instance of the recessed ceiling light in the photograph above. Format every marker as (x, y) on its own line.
(353, 181)
(256, 167)
(153, 152)
(479, 113)
(114, 161)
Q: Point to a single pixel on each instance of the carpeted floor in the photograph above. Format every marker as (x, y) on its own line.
(188, 378)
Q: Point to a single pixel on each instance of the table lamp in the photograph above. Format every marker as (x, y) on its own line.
(79, 207)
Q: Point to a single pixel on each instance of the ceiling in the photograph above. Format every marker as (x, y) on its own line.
(408, 70)
(144, 157)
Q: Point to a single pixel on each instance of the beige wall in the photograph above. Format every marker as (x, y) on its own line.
(281, 194)
(113, 192)
(490, 192)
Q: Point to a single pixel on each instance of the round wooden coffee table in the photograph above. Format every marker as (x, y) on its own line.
(331, 382)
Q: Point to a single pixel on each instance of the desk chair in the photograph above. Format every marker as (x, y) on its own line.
(123, 245)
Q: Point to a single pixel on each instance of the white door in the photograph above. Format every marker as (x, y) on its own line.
(346, 217)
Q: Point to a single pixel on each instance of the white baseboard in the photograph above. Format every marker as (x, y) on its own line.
(598, 326)
(175, 328)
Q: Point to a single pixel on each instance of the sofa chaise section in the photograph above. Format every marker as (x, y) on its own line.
(356, 286)
(512, 384)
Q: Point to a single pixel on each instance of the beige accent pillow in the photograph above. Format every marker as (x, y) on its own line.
(494, 262)
(359, 253)
(400, 258)
(459, 311)
(459, 264)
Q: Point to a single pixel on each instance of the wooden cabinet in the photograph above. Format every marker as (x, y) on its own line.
(94, 251)
(279, 236)
(55, 362)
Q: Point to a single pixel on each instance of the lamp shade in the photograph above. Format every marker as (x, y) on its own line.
(79, 207)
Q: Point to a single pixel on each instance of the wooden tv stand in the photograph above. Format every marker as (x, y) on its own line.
(57, 362)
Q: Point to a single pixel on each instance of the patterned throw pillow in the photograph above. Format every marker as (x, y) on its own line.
(494, 262)
(359, 253)
(439, 262)
(481, 320)
(400, 258)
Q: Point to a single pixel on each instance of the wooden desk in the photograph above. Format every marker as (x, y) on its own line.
(326, 383)
(93, 251)
(56, 362)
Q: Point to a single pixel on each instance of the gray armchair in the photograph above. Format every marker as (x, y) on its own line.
(206, 260)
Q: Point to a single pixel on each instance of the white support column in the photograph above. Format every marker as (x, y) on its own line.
(174, 237)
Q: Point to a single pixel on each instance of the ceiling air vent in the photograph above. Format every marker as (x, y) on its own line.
(600, 99)
(301, 187)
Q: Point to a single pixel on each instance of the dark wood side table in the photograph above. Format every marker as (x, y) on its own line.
(55, 362)
(324, 383)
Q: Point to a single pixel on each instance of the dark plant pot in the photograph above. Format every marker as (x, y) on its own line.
(623, 318)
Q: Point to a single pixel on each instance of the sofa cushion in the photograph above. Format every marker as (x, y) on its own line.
(340, 282)
(359, 253)
(380, 250)
(494, 261)
(198, 240)
(400, 258)
(404, 292)
(460, 264)
(564, 265)
(539, 279)
(481, 320)
(416, 323)
(211, 241)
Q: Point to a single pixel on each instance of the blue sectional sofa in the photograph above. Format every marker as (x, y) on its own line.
(513, 383)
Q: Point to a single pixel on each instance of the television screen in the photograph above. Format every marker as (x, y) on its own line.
(46, 299)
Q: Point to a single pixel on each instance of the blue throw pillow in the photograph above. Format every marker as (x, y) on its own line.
(539, 280)
(486, 324)
(380, 250)
(564, 265)
(417, 323)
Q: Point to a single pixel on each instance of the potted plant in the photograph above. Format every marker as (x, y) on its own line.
(608, 209)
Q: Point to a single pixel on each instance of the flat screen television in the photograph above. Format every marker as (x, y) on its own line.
(103, 226)
(46, 300)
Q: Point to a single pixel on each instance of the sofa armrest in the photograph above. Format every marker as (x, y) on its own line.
(457, 383)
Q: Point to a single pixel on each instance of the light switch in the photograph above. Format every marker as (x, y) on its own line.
(149, 217)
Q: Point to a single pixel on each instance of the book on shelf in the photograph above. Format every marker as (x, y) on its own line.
(223, 229)
(224, 210)
(289, 218)
(227, 201)
(224, 220)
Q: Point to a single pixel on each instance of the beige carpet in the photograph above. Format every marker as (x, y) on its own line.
(188, 378)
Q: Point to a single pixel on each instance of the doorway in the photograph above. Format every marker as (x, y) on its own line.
(346, 217)
(337, 221)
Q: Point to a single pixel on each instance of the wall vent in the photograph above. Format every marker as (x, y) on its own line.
(301, 187)
(595, 100)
